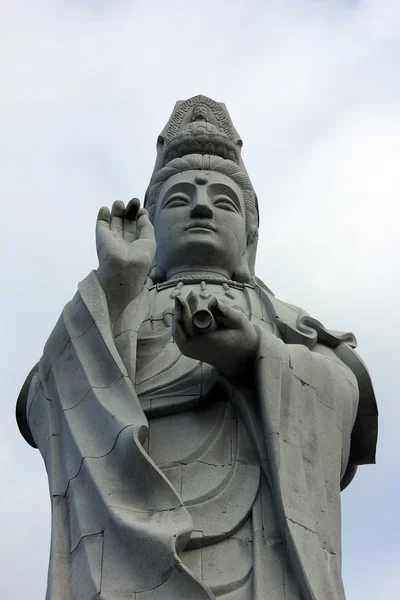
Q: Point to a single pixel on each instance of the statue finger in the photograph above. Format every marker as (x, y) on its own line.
(131, 213)
(102, 226)
(183, 315)
(145, 228)
(178, 311)
(103, 218)
(193, 301)
(117, 217)
(132, 209)
(142, 211)
(225, 315)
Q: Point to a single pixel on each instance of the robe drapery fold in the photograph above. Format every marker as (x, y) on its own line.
(113, 508)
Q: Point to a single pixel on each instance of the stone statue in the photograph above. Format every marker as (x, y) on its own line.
(196, 430)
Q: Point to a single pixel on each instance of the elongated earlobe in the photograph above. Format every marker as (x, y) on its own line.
(242, 273)
(245, 271)
(251, 250)
(156, 274)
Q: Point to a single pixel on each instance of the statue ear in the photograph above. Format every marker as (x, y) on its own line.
(245, 271)
(251, 249)
(156, 274)
(242, 273)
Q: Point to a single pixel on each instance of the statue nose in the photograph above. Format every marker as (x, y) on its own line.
(201, 208)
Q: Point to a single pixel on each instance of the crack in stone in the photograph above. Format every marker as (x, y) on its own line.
(86, 536)
(95, 387)
(301, 525)
(146, 512)
(85, 457)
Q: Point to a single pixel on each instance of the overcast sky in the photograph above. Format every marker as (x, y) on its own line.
(313, 89)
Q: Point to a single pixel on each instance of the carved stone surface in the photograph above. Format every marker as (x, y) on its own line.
(196, 430)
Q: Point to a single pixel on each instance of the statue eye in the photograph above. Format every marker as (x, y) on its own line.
(225, 203)
(176, 200)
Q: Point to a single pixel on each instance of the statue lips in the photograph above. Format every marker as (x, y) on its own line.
(202, 225)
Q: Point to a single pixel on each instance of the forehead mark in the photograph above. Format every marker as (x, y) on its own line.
(201, 179)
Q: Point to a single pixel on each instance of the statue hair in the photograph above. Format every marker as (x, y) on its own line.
(207, 162)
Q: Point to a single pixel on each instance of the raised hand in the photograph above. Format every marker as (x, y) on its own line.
(125, 246)
(230, 343)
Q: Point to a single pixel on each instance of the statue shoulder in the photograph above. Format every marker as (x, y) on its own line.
(296, 326)
(21, 408)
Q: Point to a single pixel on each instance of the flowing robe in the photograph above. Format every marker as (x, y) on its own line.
(158, 468)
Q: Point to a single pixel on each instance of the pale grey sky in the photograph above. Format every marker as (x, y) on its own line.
(313, 89)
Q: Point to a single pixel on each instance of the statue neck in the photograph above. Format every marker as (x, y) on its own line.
(197, 274)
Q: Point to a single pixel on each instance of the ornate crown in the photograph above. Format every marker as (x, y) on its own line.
(198, 125)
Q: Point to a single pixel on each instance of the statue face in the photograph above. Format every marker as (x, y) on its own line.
(200, 224)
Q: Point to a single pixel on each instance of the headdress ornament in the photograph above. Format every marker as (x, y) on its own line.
(199, 126)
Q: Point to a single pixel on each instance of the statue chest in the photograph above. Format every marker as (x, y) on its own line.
(198, 440)
(165, 380)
